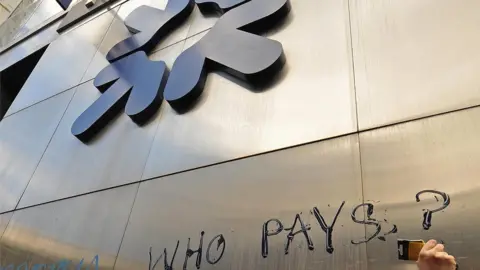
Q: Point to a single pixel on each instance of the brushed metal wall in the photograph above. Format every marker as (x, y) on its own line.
(23, 140)
(438, 153)
(414, 58)
(51, 75)
(28, 46)
(45, 10)
(230, 122)
(235, 199)
(116, 157)
(69, 230)
(314, 138)
(312, 99)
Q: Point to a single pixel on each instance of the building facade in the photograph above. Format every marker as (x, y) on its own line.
(155, 134)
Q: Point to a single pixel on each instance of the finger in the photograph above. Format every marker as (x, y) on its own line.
(445, 257)
(441, 255)
(451, 259)
(429, 245)
(439, 248)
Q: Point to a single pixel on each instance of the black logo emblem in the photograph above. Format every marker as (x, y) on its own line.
(133, 83)
(232, 45)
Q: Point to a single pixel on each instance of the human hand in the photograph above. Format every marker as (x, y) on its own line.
(433, 257)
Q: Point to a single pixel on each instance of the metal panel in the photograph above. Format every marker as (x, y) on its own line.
(411, 59)
(20, 5)
(312, 99)
(55, 72)
(23, 140)
(73, 229)
(235, 199)
(116, 33)
(440, 153)
(10, 28)
(4, 220)
(28, 46)
(10, 5)
(117, 156)
(44, 11)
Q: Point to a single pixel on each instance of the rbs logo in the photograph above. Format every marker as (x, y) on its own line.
(138, 85)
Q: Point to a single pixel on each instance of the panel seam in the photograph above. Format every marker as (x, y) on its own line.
(358, 129)
(46, 148)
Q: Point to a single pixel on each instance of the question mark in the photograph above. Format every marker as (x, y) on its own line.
(427, 216)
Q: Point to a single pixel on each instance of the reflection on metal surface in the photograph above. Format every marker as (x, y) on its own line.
(44, 12)
(308, 101)
(116, 33)
(439, 153)
(116, 156)
(23, 140)
(28, 47)
(133, 84)
(147, 35)
(13, 78)
(73, 229)
(10, 28)
(55, 72)
(230, 47)
(234, 199)
(80, 11)
(4, 219)
(411, 59)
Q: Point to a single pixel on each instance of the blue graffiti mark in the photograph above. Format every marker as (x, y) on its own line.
(63, 264)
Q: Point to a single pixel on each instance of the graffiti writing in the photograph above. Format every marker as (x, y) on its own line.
(427, 215)
(368, 221)
(211, 258)
(304, 228)
(327, 229)
(274, 226)
(60, 265)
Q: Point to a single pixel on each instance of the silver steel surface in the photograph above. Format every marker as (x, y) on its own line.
(23, 140)
(73, 229)
(19, 5)
(235, 199)
(28, 46)
(440, 153)
(311, 100)
(414, 58)
(45, 10)
(11, 27)
(10, 5)
(63, 63)
(117, 156)
(116, 33)
(4, 219)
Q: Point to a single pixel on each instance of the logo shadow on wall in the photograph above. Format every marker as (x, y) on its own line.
(234, 46)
